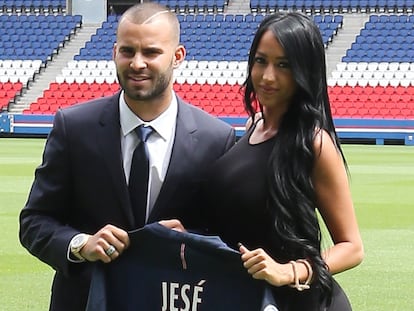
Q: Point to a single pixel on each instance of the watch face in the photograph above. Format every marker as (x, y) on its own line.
(78, 241)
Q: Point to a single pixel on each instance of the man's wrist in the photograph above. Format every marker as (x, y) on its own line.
(76, 245)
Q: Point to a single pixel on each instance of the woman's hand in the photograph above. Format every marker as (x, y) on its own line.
(262, 267)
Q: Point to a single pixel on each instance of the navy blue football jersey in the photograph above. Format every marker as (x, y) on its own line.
(167, 270)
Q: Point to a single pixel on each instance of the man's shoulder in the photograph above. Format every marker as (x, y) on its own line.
(96, 103)
(203, 117)
(89, 110)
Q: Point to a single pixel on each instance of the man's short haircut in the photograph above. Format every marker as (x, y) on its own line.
(145, 13)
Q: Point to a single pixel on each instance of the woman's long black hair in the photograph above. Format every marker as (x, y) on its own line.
(292, 198)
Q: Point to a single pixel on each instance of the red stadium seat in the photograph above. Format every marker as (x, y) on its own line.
(208, 108)
(200, 95)
(7, 86)
(368, 90)
(379, 90)
(358, 90)
(63, 86)
(83, 86)
(342, 98)
(347, 89)
(385, 113)
(400, 90)
(34, 107)
(406, 97)
(395, 112)
(54, 86)
(226, 88)
(228, 110)
(407, 113)
(114, 87)
(389, 90)
(73, 86)
(44, 108)
(108, 93)
(353, 97)
(334, 90)
(185, 87)
(340, 111)
(210, 95)
(215, 88)
(352, 111)
(195, 87)
(206, 88)
(218, 109)
(104, 86)
(220, 96)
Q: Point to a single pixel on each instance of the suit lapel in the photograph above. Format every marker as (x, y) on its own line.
(181, 158)
(109, 142)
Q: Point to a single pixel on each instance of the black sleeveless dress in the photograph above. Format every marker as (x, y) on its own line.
(236, 211)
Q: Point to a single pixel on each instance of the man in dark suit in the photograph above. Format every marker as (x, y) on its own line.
(79, 210)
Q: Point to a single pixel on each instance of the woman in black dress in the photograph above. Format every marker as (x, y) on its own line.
(266, 191)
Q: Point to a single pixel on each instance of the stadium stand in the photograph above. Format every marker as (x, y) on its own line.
(374, 79)
(33, 6)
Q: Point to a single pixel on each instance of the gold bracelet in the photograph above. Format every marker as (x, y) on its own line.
(296, 284)
(309, 268)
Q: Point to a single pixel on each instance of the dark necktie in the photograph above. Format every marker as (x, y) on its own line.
(138, 177)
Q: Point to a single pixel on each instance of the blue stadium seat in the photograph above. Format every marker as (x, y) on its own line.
(219, 17)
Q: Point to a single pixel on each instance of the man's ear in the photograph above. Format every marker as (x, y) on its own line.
(179, 55)
(114, 52)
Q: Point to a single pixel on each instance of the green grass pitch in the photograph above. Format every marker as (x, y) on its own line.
(382, 183)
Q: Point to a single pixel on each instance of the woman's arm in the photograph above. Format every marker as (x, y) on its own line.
(336, 207)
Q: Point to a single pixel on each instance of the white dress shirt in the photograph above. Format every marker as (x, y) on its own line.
(159, 144)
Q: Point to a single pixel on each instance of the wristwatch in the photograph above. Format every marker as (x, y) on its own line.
(76, 244)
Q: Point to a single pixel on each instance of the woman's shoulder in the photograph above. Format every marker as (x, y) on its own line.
(253, 120)
(321, 138)
(326, 150)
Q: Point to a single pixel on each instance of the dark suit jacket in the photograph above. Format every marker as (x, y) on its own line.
(80, 185)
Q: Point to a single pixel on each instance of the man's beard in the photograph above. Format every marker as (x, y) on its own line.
(161, 84)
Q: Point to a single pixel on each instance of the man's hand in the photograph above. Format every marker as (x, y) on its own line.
(106, 244)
